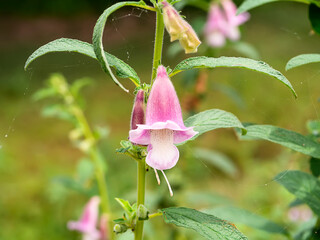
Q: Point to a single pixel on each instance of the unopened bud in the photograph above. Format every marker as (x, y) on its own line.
(138, 111)
(142, 213)
(178, 28)
(120, 228)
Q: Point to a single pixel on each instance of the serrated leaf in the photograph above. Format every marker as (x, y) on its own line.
(314, 17)
(211, 120)
(284, 137)
(242, 216)
(315, 166)
(250, 4)
(123, 70)
(98, 34)
(304, 186)
(302, 59)
(235, 62)
(206, 225)
(217, 159)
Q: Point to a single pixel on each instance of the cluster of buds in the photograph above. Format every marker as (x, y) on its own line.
(223, 23)
(179, 29)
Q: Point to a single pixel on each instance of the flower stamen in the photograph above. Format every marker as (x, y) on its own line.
(157, 176)
(165, 177)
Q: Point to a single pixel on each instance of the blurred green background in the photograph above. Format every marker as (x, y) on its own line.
(35, 150)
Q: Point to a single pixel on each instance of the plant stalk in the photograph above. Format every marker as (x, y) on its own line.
(158, 44)
(141, 196)
(95, 156)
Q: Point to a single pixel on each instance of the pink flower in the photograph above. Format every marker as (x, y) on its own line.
(300, 214)
(164, 125)
(223, 23)
(87, 224)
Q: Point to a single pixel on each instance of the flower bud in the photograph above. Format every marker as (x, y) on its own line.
(178, 28)
(138, 115)
(142, 213)
(120, 228)
(189, 40)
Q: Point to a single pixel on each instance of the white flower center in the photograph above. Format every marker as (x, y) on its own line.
(162, 144)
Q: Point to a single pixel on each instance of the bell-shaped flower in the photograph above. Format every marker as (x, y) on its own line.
(233, 19)
(215, 29)
(223, 23)
(87, 224)
(179, 29)
(164, 125)
(138, 115)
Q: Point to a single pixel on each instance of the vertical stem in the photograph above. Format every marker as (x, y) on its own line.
(157, 55)
(141, 196)
(95, 156)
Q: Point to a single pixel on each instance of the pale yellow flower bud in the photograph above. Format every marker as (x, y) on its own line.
(179, 29)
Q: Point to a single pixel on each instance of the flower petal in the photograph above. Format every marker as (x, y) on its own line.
(162, 154)
(162, 159)
(163, 103)
(89, 218)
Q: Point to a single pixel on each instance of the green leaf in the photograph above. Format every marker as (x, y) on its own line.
(211, 120)
(242, 216)
(284, 137)
(314, 17)
(315, 166)
(123, 70)
(302, 59)
(59, 111)
(206, 225)
(98, 34)
(304, 186)
(218, 160)
(125, 205)
(250, 4)
(236, 62)
(44, 93)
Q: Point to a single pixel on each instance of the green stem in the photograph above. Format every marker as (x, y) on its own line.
(157, 55)
(95, 156)
(141, 196)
